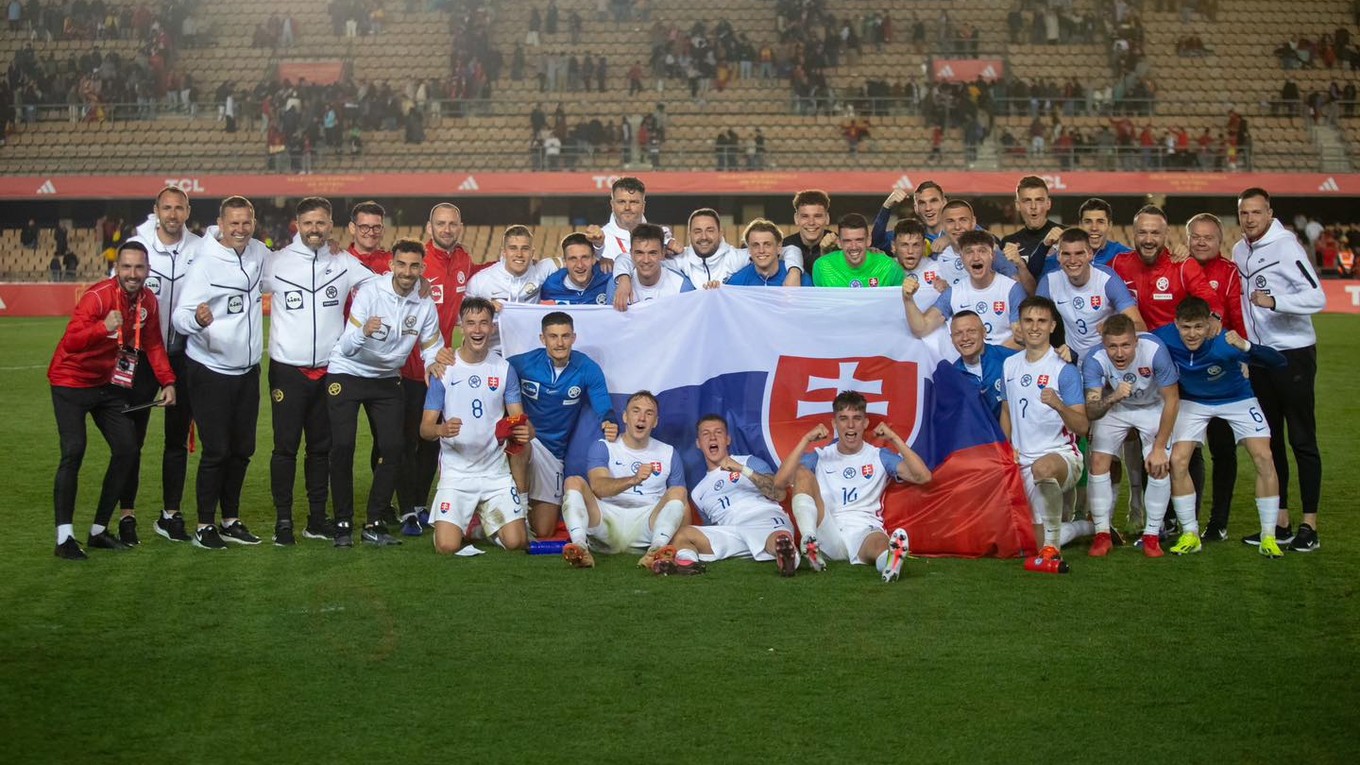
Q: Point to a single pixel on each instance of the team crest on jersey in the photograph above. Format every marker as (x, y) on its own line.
(1078, 303)
(733, 477)
(799, 393)
(444, 507)
(1144, 371)
(334, 389)
(855, 283)
(599, 299)
(656, 468)
(410, 322)
(530, 289)
(141, 313)
(931, 276)
(1163, 283)
(462, 277)
(1213, 284)
(153, 284)
(277, 395)
(437, 293)
(331, 292)
(848, 473)
(1129, 378)
(867, 471)
(1214, 371)
(1095, 303)
(474, 382)
(574, 391)
(873, 281)
(292, 300)
(998, 307)
(981, 307)
(1026, 380)
(492, 383)
(1042, 381)
(1260, 281)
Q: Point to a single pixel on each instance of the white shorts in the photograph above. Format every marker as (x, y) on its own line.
(622, 527)
(495, 500)
(545, 475)
(1244, 416)
(841, 538)
(1108, 432)
(745, 541)
(1036, 500)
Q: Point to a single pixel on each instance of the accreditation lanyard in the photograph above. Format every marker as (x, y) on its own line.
(125, 366)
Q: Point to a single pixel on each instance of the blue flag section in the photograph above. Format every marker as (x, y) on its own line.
(772, 360)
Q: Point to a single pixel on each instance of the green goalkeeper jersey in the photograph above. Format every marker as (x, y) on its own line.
(878, 270)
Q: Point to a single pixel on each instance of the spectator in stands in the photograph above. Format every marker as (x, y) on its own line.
(54, 266)
(70, 265)
(28, 235)
(61, 238)
(550, 19)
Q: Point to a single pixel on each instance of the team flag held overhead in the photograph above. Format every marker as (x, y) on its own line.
(772, 360)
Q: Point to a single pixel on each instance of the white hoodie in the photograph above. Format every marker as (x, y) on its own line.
(230, 285)
(1277, 265)
(408, 321)
(307, 313)
(725, 261)
(169, 265)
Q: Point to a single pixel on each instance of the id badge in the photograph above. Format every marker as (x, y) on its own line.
(124, 368)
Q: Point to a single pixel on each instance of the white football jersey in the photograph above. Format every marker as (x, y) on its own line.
(1036, 428)
(497, 283)
(927, 272)
(995, 304)
(731, 499)
(623, 462)
(668, 283)
(853, 484)
(1151, 370)
(950, 266)
(1083, 308)
(476, 394)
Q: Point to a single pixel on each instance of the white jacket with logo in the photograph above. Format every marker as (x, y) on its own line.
(165, 279)
(230, 285)
(1277, 265)
(307, 311)
(406, 320)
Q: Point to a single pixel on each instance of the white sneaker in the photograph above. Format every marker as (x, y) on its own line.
(897, 553)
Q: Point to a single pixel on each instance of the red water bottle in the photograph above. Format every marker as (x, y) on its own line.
(1046, 565)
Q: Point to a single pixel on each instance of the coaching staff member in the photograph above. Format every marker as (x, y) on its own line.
(222, 314)
(91, 373)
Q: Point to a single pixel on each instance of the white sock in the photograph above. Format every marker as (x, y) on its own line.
(168, 514)
(805, 514)
(667, 523)
(1100, 501)
(96, 529)
(65, 531)
(575, 516)
(881, 562)
(1158, 496)
(1051, 512)
(1269, 510)
(687, 555)
(1073, 530)
(1185, 513)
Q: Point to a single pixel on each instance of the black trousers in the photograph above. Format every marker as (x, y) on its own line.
(1287, 401)
(298, 406)
(420, 458)
(228, 409)
(178, 419)
(381, 399)
(105, 405)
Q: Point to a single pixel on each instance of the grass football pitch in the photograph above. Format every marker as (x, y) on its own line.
(173, 654)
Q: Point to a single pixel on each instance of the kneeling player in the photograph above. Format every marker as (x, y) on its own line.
(474, 393)
(1212, 385)
(740, 503)
(1130, 387)
(838, 490)
(633, 495)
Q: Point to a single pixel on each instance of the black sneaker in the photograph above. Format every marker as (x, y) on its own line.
(208, 538)
(106, 541)
(1116, 539)
(283, 534)
(127, 530)
(1306, 540)
(344, 534)
(376, 534)
(389, 517)
(70, 550)
(1283, 534)
(1213, 532)
(238, 533)
(322, 529)
(172, 528)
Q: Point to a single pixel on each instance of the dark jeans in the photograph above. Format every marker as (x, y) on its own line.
(228, 409)
(178, 418)
(105, 405)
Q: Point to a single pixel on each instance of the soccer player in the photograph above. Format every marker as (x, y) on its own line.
(90, 373)
(515, 278)
(1280, 293)
(310, 284)
(1044, 414)
(767, 267)
(388, 319)
(171, 249)
(580, 281)
(811, 216)
(1212, 385)
(221, 312)
(739, 503)
(633, 493)
(855, 265)
(1037, 234)
(928, 202)
(1086, 295)
(462, 411)
(980, 360)
(912, 251)
(958, 218)
(984, 291)
(1095, 217)
(1131, 386)
(838, 490)
(653, 275)
(1157, 282)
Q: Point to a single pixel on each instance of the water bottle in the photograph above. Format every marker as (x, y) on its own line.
(547, 546)
(1053, 566)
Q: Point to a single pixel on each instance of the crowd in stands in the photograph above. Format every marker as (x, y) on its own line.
(554, 145)
(1320, 105)
(1330, 50)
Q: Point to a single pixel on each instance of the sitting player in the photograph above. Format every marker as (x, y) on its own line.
(633, 494)
(1131, 386)
(739, 503)
(1213, 385)
(838, 490)
(472, 396)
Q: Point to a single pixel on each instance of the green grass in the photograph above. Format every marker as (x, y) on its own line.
(172, 654)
